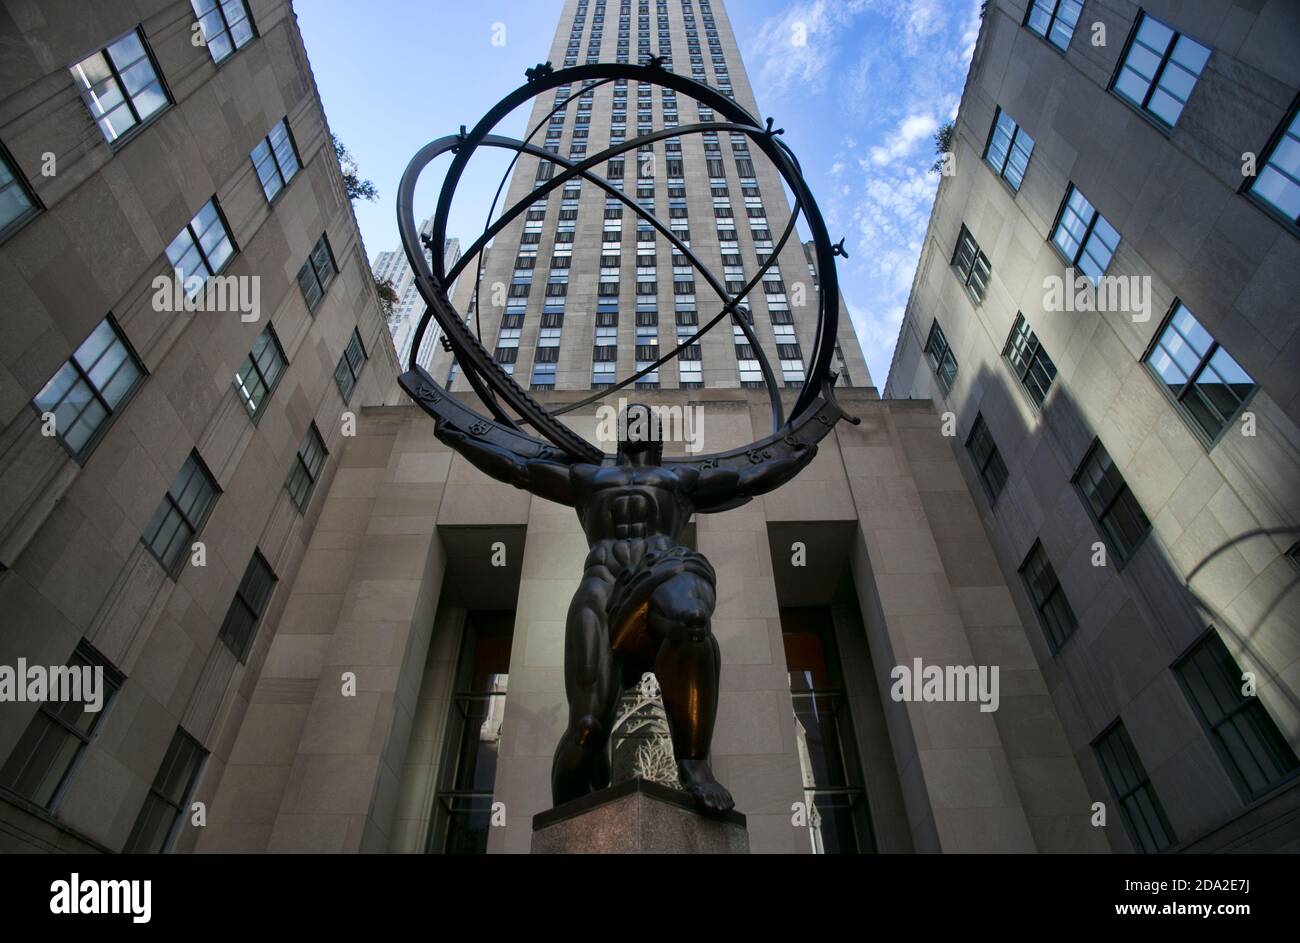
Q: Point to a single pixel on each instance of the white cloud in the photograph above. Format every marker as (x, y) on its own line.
(911, 129)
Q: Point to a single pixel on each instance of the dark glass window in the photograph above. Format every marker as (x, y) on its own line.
(350, 364)
(166, 806)
(1027, 357)
(120, 85)
(261, 371)
(181, 515)
(1277, 185)
(1054, 612)
(306, 468)
(1009, 149)
(972, 265)
(463, 811)
(1128, 780)
(941, 358)
(275, 159)
(1159, 70)
(317, 273)
(17, 202)
(1111, 503)
(1201, 377)
(1054, 20)
(839, 820)
(1083, 236)
(202, 248)
(45, 756)
(248, 606)
(984, 452)
(1256, 752)
(91, 386)
(226, 26)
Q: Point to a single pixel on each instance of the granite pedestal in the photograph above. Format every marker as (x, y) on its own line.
(637, 817)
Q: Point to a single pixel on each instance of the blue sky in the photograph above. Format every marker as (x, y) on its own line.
(860, 98)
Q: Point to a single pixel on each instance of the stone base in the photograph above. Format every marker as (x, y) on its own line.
(637, 817)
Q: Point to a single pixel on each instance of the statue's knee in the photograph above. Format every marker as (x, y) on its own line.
(586, 729)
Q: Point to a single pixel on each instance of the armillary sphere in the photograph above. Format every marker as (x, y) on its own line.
(512, 408)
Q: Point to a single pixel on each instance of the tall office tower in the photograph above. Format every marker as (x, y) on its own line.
(583, 292)
(161, 468)
(1106, 306)
(391, 266)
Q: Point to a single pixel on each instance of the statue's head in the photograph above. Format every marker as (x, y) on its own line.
(639, 432)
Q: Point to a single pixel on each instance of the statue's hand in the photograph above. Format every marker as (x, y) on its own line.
(449, 434)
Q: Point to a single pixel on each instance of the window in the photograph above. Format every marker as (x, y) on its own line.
(92, 385)
(1128, 780)
(42, 762)
(1256, 752)
(1054, 612)
(17, 202)
(984, 452)
(1277, 186)
(275, 159)
(261, 370)
(202, 248)
(1054, 20)
(1083, 236)
(350, 364)
(1110, 501)
(941, 358)
(120, 85)
(543, 376)
(181, 515)
(972, 265)
(1159, 70)
(1009, 149)
(247, 607)
(226, 26)
(1202, 379)
(306, 468)
(166, 806)
(316, 274)
(1027, 357)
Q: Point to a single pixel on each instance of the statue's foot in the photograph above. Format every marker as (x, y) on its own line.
(697, 780)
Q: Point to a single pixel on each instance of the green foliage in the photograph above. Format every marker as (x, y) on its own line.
(357, 189)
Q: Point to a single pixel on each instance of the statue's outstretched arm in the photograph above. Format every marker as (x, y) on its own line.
(720, 485)
(543, 477)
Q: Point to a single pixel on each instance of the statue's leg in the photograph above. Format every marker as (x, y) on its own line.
(590, 681)
(688, 667)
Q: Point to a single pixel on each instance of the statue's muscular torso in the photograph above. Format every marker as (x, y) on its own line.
(626, 509)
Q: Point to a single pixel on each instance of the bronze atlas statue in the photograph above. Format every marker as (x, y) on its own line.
(644, 601)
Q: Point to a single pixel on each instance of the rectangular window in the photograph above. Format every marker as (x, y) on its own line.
(306, 469)
(1277, 186)
(248, 606)
(17, 202)
(543, 375)
(1256, 752)
(120, 85)
(1128, 780)
(317, 273)
(1159, 70)
(226, 26)
(1054, 20)
(260, 372)
(275, 159)
(1027, 357)
(92, 385)
(972, 265)
(1202, 379)
(350, 364)
(941, 358)
(1054, 612)
(1083, 236)
(984, 452)
(42, 762)
(166, 806)
(1111, 503)
(181, 515)
(202, 248)
(1008, 149)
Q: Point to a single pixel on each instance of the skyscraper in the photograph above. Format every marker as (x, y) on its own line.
(1105, 308)
(391, 266)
